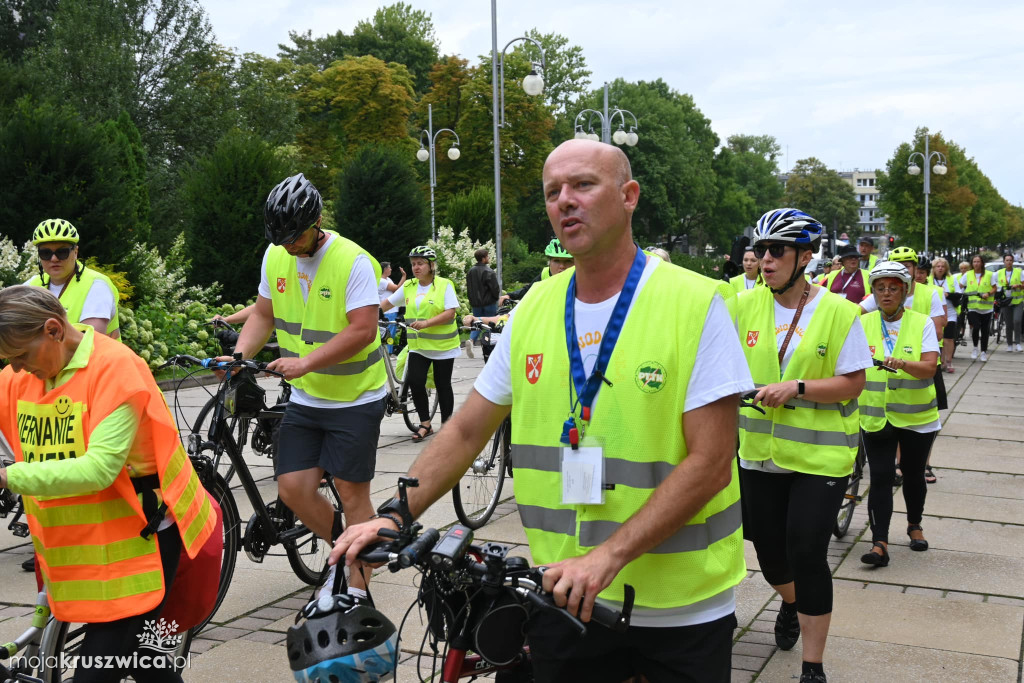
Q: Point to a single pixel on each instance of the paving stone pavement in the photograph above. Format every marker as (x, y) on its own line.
(954, 613)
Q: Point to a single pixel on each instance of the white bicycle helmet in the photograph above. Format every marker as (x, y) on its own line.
(884, 269)
(788, 226)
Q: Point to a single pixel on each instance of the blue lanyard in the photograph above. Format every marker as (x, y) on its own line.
(889, 345)
(587, 387)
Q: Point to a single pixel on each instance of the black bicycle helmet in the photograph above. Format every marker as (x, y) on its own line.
(342, 640)
(292, 208)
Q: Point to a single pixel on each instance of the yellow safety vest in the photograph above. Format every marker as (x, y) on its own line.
(739, 285)
(974, 290)
(637, 421)
(305, 326)
(441, 337)
(545, 273)
(804, 436)
(1016, 296)
(77, 291)
(835, 273)
(902, 399)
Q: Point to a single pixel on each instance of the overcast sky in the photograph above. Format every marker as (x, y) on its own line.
(845, 82)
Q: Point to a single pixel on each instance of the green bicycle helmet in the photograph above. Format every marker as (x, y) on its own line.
(903, 255)
(556, 250)
(423, 252)
(55, 230)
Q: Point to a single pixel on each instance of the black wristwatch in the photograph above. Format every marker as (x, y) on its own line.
(390, 506)
(801, 388)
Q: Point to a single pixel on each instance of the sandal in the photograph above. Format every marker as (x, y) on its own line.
(422, 433)
(929, 476)
(898, 479)
(874, 559)
(918, 544)
(949, 369)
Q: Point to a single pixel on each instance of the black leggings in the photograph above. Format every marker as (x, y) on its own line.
(418, 366)
(881, 450)
(122, 637)
(981, 323)
(789, 518)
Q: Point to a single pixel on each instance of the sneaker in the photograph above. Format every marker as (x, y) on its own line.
(29, 565)
(974, 353)
(813, 678)
(1020, 349)
(984, 356)
(469, 348)
(787, 627)
(328, 585)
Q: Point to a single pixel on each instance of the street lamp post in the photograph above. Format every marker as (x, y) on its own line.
(914, 169)
(428, 153)
(533, 84)
(620, 137)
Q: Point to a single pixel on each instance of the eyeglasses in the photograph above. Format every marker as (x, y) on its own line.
(888, 290)
(62, 253)
(776, 250)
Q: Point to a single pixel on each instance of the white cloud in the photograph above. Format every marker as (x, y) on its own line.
(846, 83)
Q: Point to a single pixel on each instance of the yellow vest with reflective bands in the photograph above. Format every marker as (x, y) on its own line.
(739, 282)
(441, 337)
(305, 326)
(802, 435)
(1016, 296)
(902, 399)
(637, 421)
(974, 290)
(923, 299)
(74, 295)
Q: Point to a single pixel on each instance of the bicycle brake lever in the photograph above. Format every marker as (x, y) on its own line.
(546, 602)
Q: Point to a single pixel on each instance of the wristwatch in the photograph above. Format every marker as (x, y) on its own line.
(390, 506)
(800, 388)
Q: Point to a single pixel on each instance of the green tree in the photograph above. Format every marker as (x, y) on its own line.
(354, 102)
(566, 78)
(745, 170)
(473, 211)
(398, 33)
(24, 24)
(901, 198)
(818, 190)
(318, 52)
(223, 194)
(379, 203)
(265, 101)
(125, 138)
(56, 165)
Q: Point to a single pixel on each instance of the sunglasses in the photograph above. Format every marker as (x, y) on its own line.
(888, 290)
(776, 250)
(62, 253)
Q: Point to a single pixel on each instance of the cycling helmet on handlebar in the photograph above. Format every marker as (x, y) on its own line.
(342, 640)
(556, 250)
(292, 208)
(423, 252)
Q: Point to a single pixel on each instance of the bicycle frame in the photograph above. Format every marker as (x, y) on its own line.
(459, 665)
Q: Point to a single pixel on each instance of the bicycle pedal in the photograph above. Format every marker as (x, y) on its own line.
(19, 529)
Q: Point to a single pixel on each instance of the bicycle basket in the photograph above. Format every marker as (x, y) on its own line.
(244, 397)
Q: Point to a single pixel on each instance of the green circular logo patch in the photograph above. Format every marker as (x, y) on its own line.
(822, 349)
(651, 376)
(325, 293)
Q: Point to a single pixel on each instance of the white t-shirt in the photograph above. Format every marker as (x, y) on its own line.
(382, 289)
(855, 355)
(929, 342)
(719, 370)
(99, 302)
(963, 280)
(748, 283)
(360, 291)
(397, 298)
(937, 306)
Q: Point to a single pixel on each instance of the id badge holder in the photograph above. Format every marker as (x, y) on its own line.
(582, 467)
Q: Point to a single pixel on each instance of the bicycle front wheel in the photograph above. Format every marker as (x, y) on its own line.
(237, 433)
(479, 491)
(61, 643)
(308, 554)
(845, 514)
(221, 493)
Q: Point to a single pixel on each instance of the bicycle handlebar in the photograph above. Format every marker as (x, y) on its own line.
(184, 360)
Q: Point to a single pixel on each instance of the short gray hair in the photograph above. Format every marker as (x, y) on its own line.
(24, 311)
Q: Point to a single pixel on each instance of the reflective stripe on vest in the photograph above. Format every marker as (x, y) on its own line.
(1016, 295)
(974, 290)
(804, 436)
(74, 296)
(443, 337)
(633, 422)
(901, 399)
(304, 326)
(93, 560)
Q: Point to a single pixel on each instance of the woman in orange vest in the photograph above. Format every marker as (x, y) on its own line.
(110, 496)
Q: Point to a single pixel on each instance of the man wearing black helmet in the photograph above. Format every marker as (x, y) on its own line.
(319, 291)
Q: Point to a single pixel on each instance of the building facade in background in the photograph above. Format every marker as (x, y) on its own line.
(864, 183)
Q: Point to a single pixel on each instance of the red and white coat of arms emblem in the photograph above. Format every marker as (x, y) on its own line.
(280, 284)
(752, 336)
(533, 367)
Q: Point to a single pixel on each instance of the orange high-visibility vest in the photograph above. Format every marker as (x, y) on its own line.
(94, 562)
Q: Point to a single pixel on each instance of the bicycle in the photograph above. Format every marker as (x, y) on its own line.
(273, 523)
(43, 643)
(852, 497)
(478, 492)
(478, 599)
(399, 397)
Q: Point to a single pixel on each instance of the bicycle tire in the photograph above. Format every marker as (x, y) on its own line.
(62, 637)
(236, 427)
(221, 492)
(479, 491)
(845, 514)
(412, 419)
(308, 555)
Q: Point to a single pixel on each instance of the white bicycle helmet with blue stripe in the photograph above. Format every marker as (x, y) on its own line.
(789, 226)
